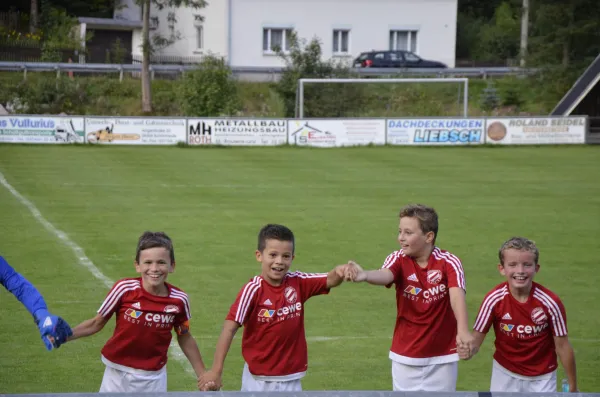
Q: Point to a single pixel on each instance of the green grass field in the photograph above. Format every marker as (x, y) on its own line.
(341, 203)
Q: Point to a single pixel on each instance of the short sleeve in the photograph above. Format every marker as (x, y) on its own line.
(113, 299)
(311, 284)
(485, 316)
(393, 262)
(556, 310)
(455, 272)
(244, 302)
(183, 316)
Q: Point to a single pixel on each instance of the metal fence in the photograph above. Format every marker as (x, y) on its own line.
(258, 74)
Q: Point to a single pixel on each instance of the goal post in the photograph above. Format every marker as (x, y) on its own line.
(300, 94)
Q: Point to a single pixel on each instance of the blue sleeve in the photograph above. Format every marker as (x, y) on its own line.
(21, 288)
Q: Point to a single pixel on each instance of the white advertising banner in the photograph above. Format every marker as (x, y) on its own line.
(536, 130)
(135, 130)
(435, 131)
(237, 132)
(41, 129)
(332, 133)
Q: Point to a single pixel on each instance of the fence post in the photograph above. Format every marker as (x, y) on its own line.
(24, 72)
(57, 72)
(71, 70)
(121, 73)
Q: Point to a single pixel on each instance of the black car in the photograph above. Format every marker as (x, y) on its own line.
(394, 59)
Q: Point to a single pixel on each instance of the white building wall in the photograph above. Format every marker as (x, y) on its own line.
(214, 28)
(369, 22)
(128, 10)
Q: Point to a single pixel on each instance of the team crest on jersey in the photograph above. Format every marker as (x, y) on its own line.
(434, 276)
(538, 316)
(290, 294)
(171, 309)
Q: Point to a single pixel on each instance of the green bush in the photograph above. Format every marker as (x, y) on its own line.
(42, 96)
(210, 90)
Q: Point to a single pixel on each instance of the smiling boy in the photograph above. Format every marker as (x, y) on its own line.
(147, 310)
(530, 324)
(431, 315)
(271, 309)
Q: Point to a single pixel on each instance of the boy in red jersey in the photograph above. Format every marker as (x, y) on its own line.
(530, 324)
(148, 309)
(430, 299)
(271, 309)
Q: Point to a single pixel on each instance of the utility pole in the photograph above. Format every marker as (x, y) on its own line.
(524, 30)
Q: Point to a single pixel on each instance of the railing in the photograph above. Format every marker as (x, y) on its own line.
(249, 73)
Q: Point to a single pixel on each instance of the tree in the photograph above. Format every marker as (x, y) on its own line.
(564, 31)
(149, 46)
(33, 16)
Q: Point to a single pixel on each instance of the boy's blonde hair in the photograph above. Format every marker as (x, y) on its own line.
(521, 244)
(428, 218)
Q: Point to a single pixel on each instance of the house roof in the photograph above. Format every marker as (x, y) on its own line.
(110, 23)
(582, 87)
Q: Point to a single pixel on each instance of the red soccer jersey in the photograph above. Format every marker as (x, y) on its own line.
(524, 331)
(144, 323)
(274, 342)
(425, 331)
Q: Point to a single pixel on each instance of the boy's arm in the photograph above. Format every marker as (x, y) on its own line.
(23, 290)
(376, 277)
(464, 353)
(223, 344)
(459, 307)
(190, 349)
(89, 327)
(478, 338)
(565, 353)
(336, 276)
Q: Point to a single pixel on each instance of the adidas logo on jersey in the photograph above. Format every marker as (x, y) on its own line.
(507, 317)
(268, 302)
(137, 305)
(413, 277)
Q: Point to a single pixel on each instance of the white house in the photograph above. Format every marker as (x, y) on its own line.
(245, 32)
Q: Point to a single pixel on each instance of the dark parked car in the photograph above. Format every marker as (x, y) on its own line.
(394, 59)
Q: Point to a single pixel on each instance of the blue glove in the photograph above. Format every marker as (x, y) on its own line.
(53, 329)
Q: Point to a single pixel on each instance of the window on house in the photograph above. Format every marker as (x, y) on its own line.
(341, 41)
(403, 40)
(274, 39)
(199, 37)
(198, 25)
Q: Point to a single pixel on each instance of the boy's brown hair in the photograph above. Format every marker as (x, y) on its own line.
(521, 244)
(274, 232)
(152, 240)
(428, 218)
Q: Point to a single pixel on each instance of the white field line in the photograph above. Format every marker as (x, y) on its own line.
(83, 260)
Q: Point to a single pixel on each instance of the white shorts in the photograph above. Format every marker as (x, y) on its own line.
(504, 381)
(435, 377)
(249, 383)
(117, 381)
